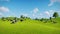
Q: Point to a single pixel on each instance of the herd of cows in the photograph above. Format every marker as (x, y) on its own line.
(42, 20)
(14, 21)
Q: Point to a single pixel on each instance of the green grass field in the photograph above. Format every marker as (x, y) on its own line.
(30, 27)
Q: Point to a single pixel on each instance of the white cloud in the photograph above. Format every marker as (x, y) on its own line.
(33, 15)
(51, 12)
(4, 9)
(1, 14)
(47, 13)
(52, 2)
(25, 15)
(36, 10)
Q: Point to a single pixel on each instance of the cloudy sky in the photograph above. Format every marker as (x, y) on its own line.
(30, 8)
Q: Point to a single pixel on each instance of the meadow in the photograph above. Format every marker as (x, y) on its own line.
(30, 26)
(29, 16)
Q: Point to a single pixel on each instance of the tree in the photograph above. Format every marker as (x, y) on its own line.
(50, 18)
(55, 14)
(36, 19)
(27, 18)
(22, 16)
(3, 18)
(41, 19)
(15, 18)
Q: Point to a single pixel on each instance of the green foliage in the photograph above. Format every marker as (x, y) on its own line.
(27, 17)
(50, 18)
(41, 19)
(3, 18)
(22, 17)
(55, 14)
(36, 19)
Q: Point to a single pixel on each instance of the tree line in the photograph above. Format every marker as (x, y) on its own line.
(22, 18)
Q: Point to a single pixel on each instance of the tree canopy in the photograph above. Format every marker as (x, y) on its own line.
(55, 14)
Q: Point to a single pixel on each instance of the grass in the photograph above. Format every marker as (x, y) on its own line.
(30, 27)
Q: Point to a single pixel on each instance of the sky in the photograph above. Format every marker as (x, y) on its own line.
(29, 8)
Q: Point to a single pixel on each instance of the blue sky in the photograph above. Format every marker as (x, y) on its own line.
(30, 8)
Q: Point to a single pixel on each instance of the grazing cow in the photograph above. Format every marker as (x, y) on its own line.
(21, 20)
(13, 21)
